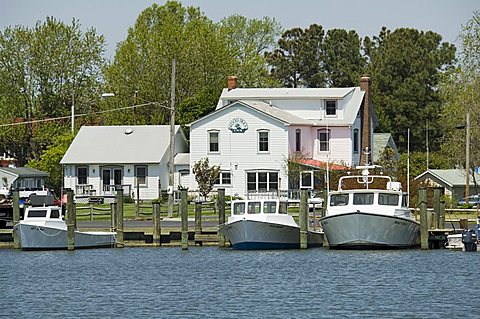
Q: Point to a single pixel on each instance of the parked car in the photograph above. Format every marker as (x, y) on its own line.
(472, 200)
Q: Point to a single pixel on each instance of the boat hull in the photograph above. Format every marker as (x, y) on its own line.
(251, 234)
(359, 230)
(44, 237)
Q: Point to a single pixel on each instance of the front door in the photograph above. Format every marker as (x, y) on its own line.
(106, 179)
(117, 176)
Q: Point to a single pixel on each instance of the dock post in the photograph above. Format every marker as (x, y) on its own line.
(324, 213)
(221, 215)
(422, 192)
(441, 223)
(16, 218)
(437, 193)
(184, 217)
(113, 213)
(303, 219)
(198, 217)
(157, 231)
(71, 216)
(119, 218)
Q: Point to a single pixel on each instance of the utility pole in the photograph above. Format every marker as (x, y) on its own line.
(73, 112)
(172, 142)
(467, 159)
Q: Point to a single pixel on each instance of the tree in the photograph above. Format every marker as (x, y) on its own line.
(405, 66)
(205, 175)
(296, 63)
(388, 162)
(248, 40)
(42, 70)
(342, 58)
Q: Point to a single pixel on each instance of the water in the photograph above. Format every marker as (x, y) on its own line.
(221, 283)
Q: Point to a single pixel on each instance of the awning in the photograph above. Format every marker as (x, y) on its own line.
(322, 165)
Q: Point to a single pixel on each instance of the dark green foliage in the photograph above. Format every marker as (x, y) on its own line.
(205, 175)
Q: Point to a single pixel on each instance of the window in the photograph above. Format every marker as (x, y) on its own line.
(306, 180)
(238, 208)
(213, 144)
(331, 108)
(323, 136)
(263, 141)
(141, 175)
(224, 178)
(54, 213)
(355, 141)
(82, 174)
(262, 181)
(269, 207)
(388, 199)
(253, 208)
(363, 199)
(339, 200)
(37, 213)
(283, 208)
(298, 140)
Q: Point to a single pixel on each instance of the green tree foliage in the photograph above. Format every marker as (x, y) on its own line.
(388, 162)
(50, 161)
(460, 92)
(405, 66)
(296, 63)
(247, 41)
(42, 70)
(205, 175)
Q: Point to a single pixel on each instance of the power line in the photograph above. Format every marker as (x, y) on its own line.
(76, 115)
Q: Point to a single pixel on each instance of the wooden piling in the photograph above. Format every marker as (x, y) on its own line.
(441, 221)
(324, 213)
(198, 217)
(422, 199)
(119, 218)
(184, 217)
(303, 219)
(157, 231)
(437, 193)
(16, 219)
(137, 204)
(71, 216)
(113, 213)
(221, 215)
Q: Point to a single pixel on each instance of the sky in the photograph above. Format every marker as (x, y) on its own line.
(112, 18)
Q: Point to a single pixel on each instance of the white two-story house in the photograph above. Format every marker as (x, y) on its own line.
(253, 132)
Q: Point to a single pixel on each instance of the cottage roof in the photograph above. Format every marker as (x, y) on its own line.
(380, 142)
(451, 177)
(23, 171)
(119, 144)
(182, 159)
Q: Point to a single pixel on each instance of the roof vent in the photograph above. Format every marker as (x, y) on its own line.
(128, 131)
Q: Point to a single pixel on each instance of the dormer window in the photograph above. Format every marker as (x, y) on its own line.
(331, 108)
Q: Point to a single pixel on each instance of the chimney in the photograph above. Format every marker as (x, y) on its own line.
(231, 82)
(365, 85)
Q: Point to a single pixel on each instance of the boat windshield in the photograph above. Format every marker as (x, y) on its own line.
(270, 207)
(283, 208)
(254, 208)
(339, 200)
(37, 213)
(388, 199)
(363, 199)
(238, 208)
(55, 213)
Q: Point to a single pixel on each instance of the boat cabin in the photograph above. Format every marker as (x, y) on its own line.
(259, 207)
(43, 216)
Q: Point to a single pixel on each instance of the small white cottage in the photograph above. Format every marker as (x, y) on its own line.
(252, 133)
(102, 158)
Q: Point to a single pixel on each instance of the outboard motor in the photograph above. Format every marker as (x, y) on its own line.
(469, 239)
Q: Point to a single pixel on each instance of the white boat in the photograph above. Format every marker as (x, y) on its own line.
(364, 217)
(454, 241)
(43, 228)
(264, 224)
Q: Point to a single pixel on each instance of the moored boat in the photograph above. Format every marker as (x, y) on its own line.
(44, 228)
(264, 224)
(369, 218)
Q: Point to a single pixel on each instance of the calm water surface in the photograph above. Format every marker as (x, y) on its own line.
(221, 283)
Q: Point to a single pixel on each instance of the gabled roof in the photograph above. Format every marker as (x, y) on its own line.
(182, 159)
(380, 142)
(120, 144)
(451, 177)
(23, 171)
(266, 109)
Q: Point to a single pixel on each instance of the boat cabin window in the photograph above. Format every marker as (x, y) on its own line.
(270, 207)
(253, 208)
(388, 199)
(238, 208)
(283, 208)
(339, 200)
(54, 213)
(37, 213)
(363, 199)
(404, 200)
